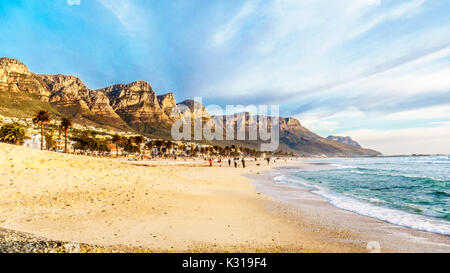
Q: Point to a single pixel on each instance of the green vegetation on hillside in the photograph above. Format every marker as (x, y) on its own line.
(23, 105)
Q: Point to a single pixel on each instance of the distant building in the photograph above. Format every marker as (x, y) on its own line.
(115, 149)
(34, 142)
(60, 145)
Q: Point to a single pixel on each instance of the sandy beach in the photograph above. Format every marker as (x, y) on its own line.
(111, 205)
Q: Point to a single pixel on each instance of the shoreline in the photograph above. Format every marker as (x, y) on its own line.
(365, 229)
(109, 205)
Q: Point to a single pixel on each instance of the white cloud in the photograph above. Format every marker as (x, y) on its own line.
(427, 113)
(296, 50)
(395, 13)
(433, 140)
(326, 121)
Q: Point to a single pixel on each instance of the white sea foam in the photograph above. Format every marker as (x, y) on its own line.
(392, 216)
(389, 215)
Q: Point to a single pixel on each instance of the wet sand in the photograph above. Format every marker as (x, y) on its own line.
(376, 235)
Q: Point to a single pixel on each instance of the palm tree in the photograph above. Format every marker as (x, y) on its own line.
(42, 117)
(117, 140)
(159, 144)
(169, 145)
(138, 140)
(49, 140)
(66, 124)
(181, 147)
(150, 146)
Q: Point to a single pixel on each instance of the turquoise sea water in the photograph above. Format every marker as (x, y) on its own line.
(408, 191)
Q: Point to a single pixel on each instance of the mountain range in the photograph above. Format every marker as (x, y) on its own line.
(133, 107)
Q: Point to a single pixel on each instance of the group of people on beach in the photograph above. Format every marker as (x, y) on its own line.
(237, 162)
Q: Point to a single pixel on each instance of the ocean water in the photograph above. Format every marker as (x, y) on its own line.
(409, 191)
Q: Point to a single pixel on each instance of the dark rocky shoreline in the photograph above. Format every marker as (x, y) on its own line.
(21, 242)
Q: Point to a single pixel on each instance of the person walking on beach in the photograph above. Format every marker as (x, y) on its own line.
(235, 162)
(268, 161)
(243, 163)
(229, 162)
(210, 162)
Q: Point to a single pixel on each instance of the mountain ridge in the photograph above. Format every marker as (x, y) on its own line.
(134, 106)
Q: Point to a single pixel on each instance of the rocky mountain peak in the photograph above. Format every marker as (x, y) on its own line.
(346, 140)
(138, 86)
(70, 92)
(132, 90)
(288, 123)
(167, 103)
(13, 66)
(197, 109)
(64, 88)
(136, 103)
(15, 77)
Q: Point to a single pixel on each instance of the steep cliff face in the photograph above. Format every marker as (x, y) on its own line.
(197, 109)
(15, 77)
(168, 104)
(346, 140)
(3, 79)
(65, 89)
(135, 101)
(137, 104)
(74, 99)
(13, 66)
(289, 123)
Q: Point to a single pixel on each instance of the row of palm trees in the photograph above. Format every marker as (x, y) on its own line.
(165, 146)
(43, 117)
(129, 144)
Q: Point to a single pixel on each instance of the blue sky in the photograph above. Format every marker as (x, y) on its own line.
(377, 70)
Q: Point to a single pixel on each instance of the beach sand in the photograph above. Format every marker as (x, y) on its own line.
(110, 205)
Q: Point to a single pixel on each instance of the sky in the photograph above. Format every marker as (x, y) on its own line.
(375, 70)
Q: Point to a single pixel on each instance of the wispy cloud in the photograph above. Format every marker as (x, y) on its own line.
(426, 113)
(402, 10)
(298, 48)
(226, 32)
(130, 16)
